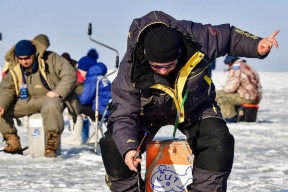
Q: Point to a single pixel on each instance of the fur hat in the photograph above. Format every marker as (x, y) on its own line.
(162, 44)
(24, 48)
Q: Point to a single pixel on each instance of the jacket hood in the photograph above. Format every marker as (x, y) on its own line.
(141, 74)
(153, 18)
(97, 69)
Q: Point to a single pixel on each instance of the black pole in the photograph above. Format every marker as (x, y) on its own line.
(90, 29)
(117, 53)
(1, 41)
(97, 83)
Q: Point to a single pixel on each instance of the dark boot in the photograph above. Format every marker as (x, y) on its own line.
(13, 144)
(52, 143)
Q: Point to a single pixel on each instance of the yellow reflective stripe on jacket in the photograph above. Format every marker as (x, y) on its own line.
(170, 92)
(176, 94)
(209, 81)
(214, 108)
(185, 71)
(16, 74)
(18, 78)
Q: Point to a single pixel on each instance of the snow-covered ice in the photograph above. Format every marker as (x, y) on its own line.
(260, 163)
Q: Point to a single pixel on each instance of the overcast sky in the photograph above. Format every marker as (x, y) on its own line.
(66, 23)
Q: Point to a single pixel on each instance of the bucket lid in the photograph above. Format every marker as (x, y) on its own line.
(250, 105)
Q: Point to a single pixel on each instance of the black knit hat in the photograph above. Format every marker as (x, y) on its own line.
(162, 45)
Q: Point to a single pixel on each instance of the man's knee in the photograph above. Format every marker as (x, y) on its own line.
(218, 156)
(119, 177)
(113, 162)
(52, 104)
(212, 145)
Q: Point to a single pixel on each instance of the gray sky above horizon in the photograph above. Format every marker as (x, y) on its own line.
(66, 24)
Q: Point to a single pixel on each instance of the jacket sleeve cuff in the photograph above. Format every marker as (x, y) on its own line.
(256, 50)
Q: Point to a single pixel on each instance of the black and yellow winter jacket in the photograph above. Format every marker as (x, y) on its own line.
(141, 97)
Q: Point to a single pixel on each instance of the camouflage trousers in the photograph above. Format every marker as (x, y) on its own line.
(229, 101)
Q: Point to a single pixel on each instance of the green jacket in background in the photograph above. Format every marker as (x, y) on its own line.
(57, 72)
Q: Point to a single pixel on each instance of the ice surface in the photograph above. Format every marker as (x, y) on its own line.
(260, 162)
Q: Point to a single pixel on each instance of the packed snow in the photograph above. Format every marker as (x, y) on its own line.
(260, 162)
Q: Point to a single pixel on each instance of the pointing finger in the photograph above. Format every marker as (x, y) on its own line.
(274, 34)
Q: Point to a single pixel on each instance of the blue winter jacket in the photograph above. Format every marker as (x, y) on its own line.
(88, 96)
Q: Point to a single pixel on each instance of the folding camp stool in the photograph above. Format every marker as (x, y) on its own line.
(98, 126)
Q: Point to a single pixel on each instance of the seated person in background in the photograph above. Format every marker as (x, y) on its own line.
(71, 61)
(242, 86)
(80, 78)
(90, 71)
(43, 40)
(31, 87)
(75, 138)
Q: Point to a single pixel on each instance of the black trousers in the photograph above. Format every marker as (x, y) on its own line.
(212, 146)
(88, 111)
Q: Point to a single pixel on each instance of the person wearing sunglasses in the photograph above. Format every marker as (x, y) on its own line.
(38, 81)
(163, 80)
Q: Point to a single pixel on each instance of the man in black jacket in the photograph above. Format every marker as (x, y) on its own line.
(162, 79)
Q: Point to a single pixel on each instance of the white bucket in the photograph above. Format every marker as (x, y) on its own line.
(36, 136)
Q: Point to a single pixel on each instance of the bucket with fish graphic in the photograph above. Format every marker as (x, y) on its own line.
(168, 166)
